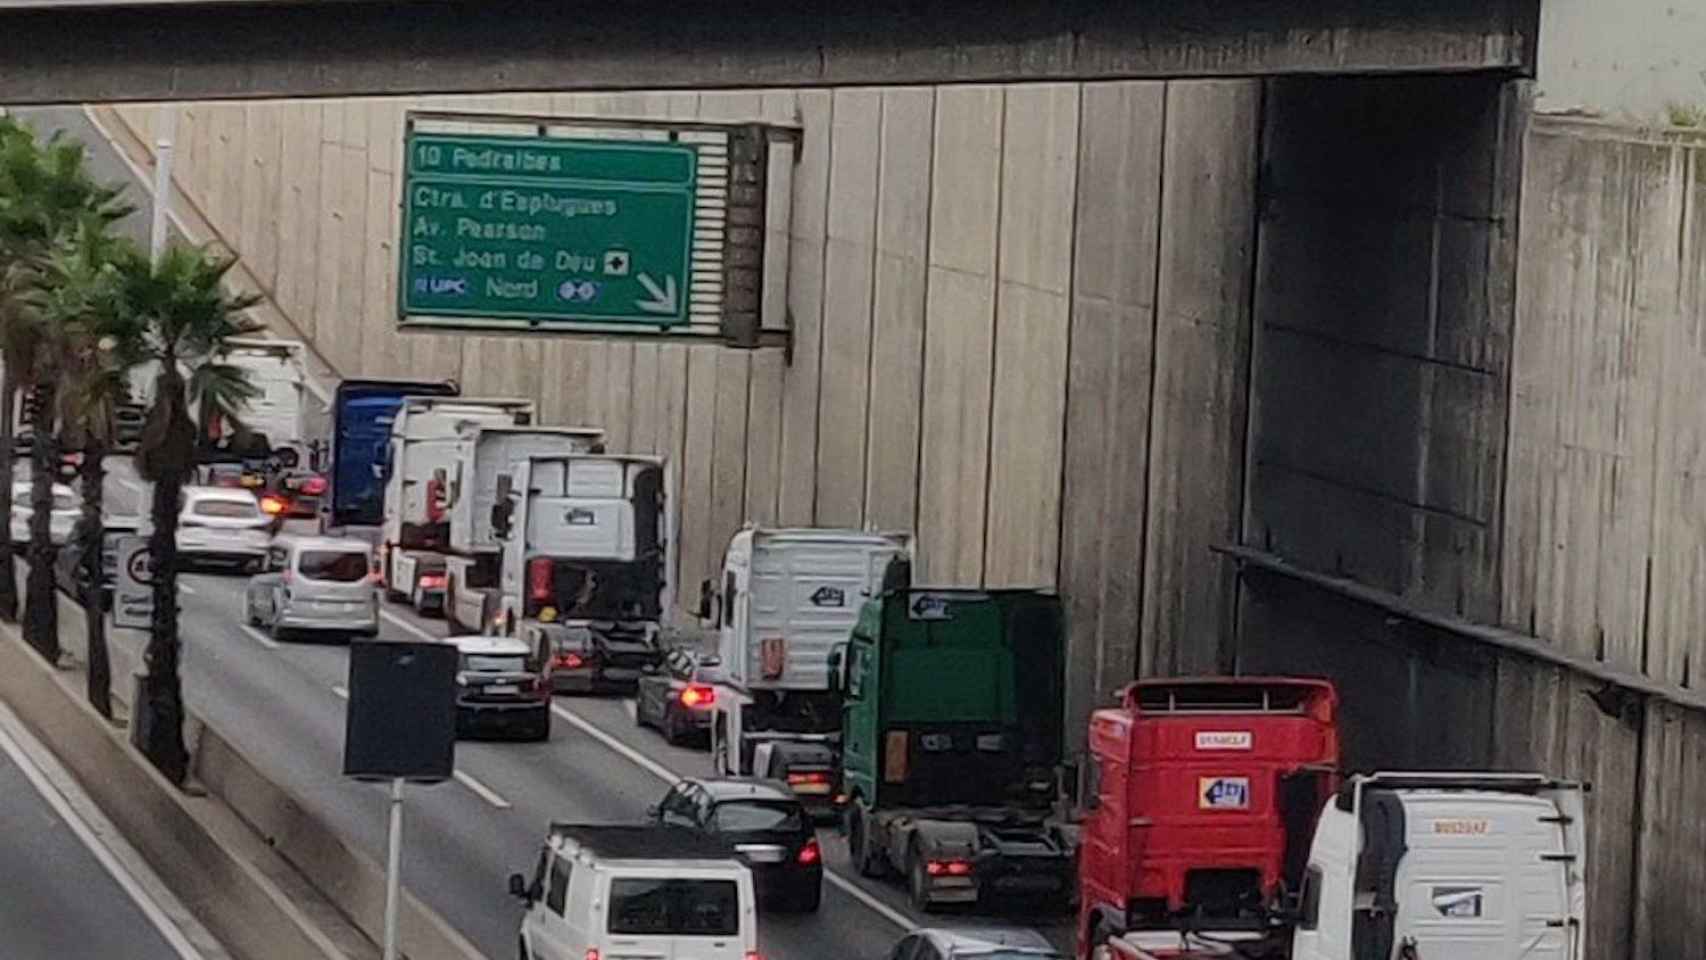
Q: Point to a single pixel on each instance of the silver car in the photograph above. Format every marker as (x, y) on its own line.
(315, 585)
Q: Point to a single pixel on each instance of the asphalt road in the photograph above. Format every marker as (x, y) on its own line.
(57, 898)
(283, 706)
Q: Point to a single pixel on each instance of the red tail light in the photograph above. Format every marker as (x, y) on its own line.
(272, 506)
(815, 776)
(539, 578)
(951, 868)
(591, 953)
(810, 854)
(698, 695)
(570, 661)
(752, 955)
(432, 581)
(314, 486)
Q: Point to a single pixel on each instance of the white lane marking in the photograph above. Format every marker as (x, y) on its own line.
(486, 793)
(186, 588)
(261, 638)
(632, 708)
(62, 807)
(668, 776)
(340, 691)
(406, 625)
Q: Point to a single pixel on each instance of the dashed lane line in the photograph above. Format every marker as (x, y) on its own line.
(484, 792)
(261, 638)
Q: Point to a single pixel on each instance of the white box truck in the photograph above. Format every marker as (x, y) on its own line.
(419, 459)
(471, 561)
(585, 569)
(788, 597)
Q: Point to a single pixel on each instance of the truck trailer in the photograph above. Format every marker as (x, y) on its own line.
(418, 466)
(362, 411)
(584, 568)
(1217, 826)
(468, 569)
(951, 745)
(787, 598)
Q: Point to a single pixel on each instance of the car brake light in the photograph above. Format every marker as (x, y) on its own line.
(698, 695)
(816, 776)
(810, 854)
(272, 506)
(539, 578)
(571, 661)
(314, 485)
(432, 581)
(952, 868)
(591, 953)
(753, 955)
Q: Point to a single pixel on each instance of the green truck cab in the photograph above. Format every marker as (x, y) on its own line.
(951, 743)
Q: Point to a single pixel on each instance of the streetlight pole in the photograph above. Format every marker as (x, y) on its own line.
(393, 865)
(163, 147)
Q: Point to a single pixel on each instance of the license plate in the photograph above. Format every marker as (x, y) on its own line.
(814, 789)
(621, 673)
(503, 688)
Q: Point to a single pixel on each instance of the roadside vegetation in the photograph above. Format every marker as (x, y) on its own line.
(83, 313)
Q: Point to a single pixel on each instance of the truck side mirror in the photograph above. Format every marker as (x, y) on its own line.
(835, 679)
(707, 590)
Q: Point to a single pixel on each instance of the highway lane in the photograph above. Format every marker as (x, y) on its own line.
(281, 704)
(62, 894)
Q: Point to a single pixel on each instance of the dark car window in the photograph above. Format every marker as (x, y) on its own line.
(559, 886)
(737, 816)
(669, 907)
(334, 565)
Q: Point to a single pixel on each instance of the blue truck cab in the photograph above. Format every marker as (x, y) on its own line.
(362, 411)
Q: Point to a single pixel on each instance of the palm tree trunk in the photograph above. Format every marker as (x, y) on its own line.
(8, 569)
(41, 610)
(163, 739)
(94, 475)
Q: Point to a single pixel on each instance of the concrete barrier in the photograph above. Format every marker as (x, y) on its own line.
(351, 880)
(229, 895)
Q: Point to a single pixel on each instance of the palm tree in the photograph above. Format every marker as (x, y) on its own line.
(45, 191)
(186, 316)
(101, 343)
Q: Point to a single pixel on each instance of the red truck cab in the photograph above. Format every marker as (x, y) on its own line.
(1201, 801)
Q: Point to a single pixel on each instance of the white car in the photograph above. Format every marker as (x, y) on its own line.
(315, 585)
(621, 891)
(223, 525)
(67, 507)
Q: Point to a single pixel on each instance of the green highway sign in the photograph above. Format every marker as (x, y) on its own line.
(541, 232)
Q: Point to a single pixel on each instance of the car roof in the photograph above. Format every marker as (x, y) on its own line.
(746, 788)
(644, 842)
(218, 493)
(972, 940)
(479, 643)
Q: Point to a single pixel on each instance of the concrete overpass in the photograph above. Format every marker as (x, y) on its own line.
(196, 49)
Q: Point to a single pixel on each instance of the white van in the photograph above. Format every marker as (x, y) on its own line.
(607, 892)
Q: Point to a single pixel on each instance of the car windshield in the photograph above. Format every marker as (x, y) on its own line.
(670, 907)
(340, 566)
(742, 815)
(494, 663)
(233, 509)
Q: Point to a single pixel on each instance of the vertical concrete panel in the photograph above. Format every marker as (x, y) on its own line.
(299, 218)
(696, 485)
(728, 476)
(959, 334)
(672, 443)
(257, 237)
(1104, 493)
(798, 496)
(764, 436)
(1202, 341)
(619, 387)
(230, 145)
(644, 434)
(1039, 170)
(855, 141)
(331, 331)
(384, 348)
(897, 309)
(354, 199)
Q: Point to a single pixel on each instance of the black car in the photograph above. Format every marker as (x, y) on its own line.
(676, 698)
(499, 689)
(768, 827)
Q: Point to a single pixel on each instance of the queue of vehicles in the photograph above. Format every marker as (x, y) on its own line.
(1215, 819)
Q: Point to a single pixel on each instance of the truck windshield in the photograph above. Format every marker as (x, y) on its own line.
(335, 565)
(660, 907)
(757, 815)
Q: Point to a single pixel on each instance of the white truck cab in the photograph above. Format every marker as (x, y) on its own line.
(609, 892)
(1446, 866)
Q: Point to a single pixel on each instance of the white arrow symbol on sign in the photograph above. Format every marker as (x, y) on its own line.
(663, 298)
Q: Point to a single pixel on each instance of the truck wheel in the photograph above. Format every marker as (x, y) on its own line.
(865, 859)
(919, 887)
(672, 732)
